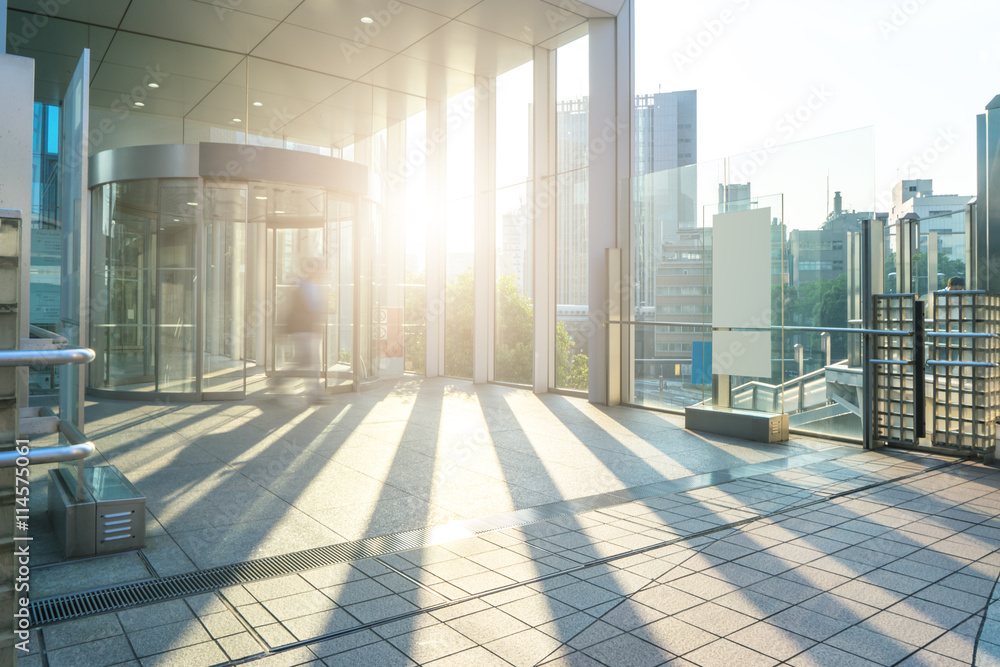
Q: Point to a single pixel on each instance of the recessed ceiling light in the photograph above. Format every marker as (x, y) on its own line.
(138, 104)
(237, 120)
(279, 211)
(260, 197)
(175, 220)
(367, 19)
(258, 104)
(192, 203)
(153, 84)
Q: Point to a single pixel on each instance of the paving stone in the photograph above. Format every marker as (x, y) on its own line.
(431, 643)
(771, 640)
(81, 631)
(238, 646)
(879, 648)
(167, 637)
(674, 635)
(666, 599)
(476, 655)
(153, 615)
(380, 654)
(724, 653)
(487, 625)
(199, 655)
(628, 651)
(108, 651)
(715, 618)
(525, 648)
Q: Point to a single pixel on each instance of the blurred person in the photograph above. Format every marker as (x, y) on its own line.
(955, 283)
(303, 323)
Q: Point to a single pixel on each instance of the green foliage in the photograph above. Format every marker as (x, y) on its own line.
(458, 317)
(571, 369)
(818, 303)
(514, 359)
(415, 325)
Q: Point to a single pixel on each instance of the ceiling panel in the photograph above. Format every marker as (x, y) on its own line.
(469, 49)
(112, 99)
(184, 90)
(271, 9)
(592, 9)
(318, 51)
(57, 36)
(197, 23)
(564, 38)
(52, 74)
(418, 77)
(171, 57)
(528, 21)
(274, 80)
(392, 29)
(449, 8)
(104, 13)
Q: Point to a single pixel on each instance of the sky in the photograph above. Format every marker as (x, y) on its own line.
(900, 83)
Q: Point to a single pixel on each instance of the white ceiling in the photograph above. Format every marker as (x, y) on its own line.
(319, 76)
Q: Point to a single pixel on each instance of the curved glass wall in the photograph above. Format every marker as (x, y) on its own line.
(192, 281)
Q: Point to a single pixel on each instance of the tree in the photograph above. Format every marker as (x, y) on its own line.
(514, 359)
(458, 317)
(415, 324)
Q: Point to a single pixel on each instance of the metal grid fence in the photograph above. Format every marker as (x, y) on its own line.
(895, 371)
(965, 360)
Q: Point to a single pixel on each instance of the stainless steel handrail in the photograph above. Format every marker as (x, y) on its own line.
(72, 452)
(879, 332)
(39, 332)
(75, 355)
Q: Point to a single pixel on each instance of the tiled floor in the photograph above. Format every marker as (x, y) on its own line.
(864, 558)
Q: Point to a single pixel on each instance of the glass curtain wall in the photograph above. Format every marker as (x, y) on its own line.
(796, 264)
(513, 353)
(415, 285)
(460, 236)
(572, 90)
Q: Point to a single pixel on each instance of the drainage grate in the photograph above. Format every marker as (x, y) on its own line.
(123, 596)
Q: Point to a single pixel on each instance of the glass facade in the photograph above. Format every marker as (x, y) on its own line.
(193, 285)
(514, 344)
(572, 199)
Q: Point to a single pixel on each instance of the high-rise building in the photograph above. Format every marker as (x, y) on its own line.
(984, 269)
(665, 183)
(943, 215)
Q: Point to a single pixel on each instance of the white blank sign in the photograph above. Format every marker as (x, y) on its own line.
(741, 292)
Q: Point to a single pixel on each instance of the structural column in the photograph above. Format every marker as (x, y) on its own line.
(436, 150)
(543, 218)
(609, 136)
(16, 113)
(485, 234)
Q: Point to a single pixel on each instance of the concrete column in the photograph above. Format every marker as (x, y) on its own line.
(608, 135)
(16, 114)
(437, 162)
(485, 234)
(395, 240)
(542, 214)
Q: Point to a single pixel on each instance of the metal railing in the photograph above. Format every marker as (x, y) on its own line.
(79, 447)
(70, 355)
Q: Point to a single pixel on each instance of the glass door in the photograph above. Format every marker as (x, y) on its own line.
(224, 350)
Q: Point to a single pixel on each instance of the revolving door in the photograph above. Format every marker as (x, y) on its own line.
(191, 278)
